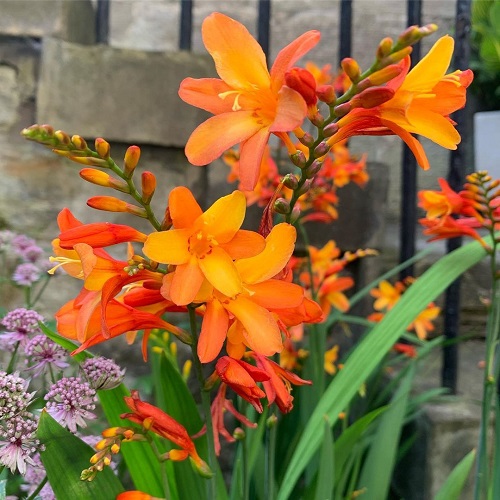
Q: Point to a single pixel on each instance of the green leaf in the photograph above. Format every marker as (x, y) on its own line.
(350, 438)
(324, 484)
(64, 342)
(65, 457)
(379, 464)
(142, 464)
(455, 482)
(371, 350)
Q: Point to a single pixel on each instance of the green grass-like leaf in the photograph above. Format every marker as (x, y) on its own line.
(64, 458)
(371, 350)
(452, 487)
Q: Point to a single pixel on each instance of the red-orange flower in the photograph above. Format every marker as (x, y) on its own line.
(422, 102)
(157, 421)
(248, 101)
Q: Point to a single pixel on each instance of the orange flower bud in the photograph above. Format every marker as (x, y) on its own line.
(302, 81)
(351, 69)
(326, 93)
(384, 48)
(131, 160)
(371, 97)
(380, 77)
(102, 179)
(62, 137)
(148, 186)
(112, 204)
(79, 142)
(83, 160)
(102, 148)
(396, 57)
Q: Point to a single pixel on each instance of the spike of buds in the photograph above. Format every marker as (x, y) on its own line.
(103, 179)
(148, 186)
(112, 204)
(351, 69)
(384, 48)
(281, 206)
(303, 82)
(102, 148)
(131, 160)
(326, 94)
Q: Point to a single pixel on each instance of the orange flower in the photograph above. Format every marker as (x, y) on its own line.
(135, 495)
(157, 421)
(439, 203)
(242, 378)
(278, 387)
(422, 324)
(423, 100)
(203, 245)
(387, 296)
(330, 293)
(248, 102)
(254, 324)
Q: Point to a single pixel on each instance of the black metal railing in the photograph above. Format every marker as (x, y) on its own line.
(457, 167)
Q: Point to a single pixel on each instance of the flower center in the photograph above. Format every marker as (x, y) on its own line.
(201, 244)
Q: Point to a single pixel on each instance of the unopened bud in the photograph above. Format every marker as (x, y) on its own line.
(313, 169)
(326, 93)
(112, 204)
(282, 206)
(79, 142)
(46, 129)
(321, 149)
(102, 148)
(307, 140)
(62, 137)
(148, 186)
(342, 109)
(271, 421)
(167, 222)
(413, 34)
(380, 77)
(384, 48)
(317, 119)
(371, 97)
(131, 160)
(299, 159)
(303, 82)
(103, 179)
(351, 69)
(239, 434)
(290, 181)
(82, 160)
(304, 188)
(294, 217)
(330, 129)
(396, 57)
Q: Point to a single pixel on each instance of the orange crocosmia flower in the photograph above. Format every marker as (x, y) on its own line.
(135, 495)
(260, 328)
(203, 245)
(278, 388)
(422, 324)
(242, 378)
(387, 296)
(331, 355)
(330, 293)
(440, 203)
(248, 101)
(407, 349)
(422, 102)
(157, 421)
(321, 75)
(449, 227)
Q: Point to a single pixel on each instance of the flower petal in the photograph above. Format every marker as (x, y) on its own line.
(279, 248)
(239, 59)
(251, 153)
(186, 282)
(276, 294)
(219, 269)
(213, 331)
(290, 112)
(183, 207)
(217, 134)
(168, 247)
(204, 93)
(244, 244)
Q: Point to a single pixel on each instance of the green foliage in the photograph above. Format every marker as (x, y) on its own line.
(452, 487)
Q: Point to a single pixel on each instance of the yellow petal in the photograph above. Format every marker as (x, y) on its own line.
(168, 247)
(239, 59)
(244, 244)
(276, 294)
(279, 248)
(219, 269)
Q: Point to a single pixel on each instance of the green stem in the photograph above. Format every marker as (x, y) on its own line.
(163, 470)
(271, 432)
(43, 482)
(244, 452)
(40, 291)
(12, 362)
(205, 403)
(27, 297)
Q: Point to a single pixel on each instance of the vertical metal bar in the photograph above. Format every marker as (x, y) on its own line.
(456, 178)
(186, 27)
(263, 25)
(102, 21)
(345, 39)
(409, 167)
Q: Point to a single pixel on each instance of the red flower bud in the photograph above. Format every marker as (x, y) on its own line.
(300, 80)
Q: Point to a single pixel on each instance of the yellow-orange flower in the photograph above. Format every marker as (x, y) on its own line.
(387, 296)
(203, 245)
(248, 101)
(423, 100)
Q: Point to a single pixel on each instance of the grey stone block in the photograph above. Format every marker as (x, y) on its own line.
(72, 20)
(124, 95)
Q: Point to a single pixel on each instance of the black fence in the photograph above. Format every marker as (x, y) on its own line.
(457, 166)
